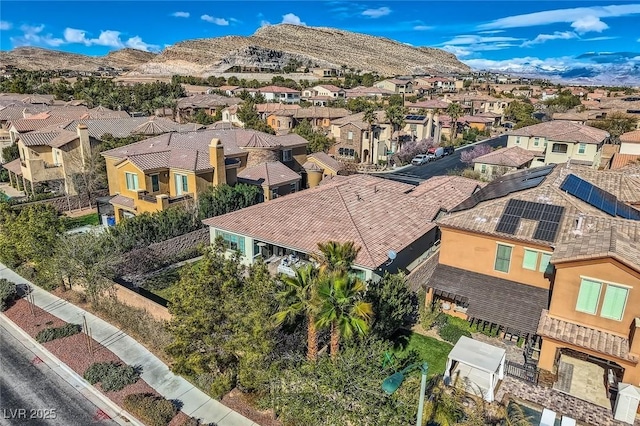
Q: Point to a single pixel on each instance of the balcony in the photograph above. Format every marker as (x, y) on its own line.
(180, 198)
(145, 196)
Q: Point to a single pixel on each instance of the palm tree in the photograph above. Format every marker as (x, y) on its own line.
(454, 111)
(301, 298)
(335, 256)
(370, 117)
(395, 115)
(342, 308)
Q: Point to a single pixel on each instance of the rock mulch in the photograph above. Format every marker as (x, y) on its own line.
(74, 350)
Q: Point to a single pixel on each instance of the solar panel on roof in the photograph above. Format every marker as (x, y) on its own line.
(598, 198)
(546, 231)
(548, 217)
(508, 224)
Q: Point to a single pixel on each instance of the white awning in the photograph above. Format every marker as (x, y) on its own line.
(477, 354)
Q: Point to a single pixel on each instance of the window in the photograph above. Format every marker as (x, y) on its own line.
(530, 260)
(588, 296)
(155, 183)
(132, 181)
(293, 187)
(545, 263)
(615, 299)
(582, 148)
(274, 193)
(182, 184)
(341, 151)
(56, 159)
(22, 156)
(286, 155)
(536, 141)
(483, 168)
(231, 241)
(350, 136)
(559, 148)
(518, 139)
(503, 258)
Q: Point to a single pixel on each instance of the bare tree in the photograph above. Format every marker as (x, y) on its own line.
(468, 155)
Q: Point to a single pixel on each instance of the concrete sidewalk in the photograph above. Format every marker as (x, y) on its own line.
(195, 402)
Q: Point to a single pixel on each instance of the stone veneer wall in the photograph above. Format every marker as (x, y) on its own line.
(63, 204)
(259, 156)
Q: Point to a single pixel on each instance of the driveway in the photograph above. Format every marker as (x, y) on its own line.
(441, 167)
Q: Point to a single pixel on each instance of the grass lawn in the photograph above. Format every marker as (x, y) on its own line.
(76, 222)
(165, 283)
(431, 350)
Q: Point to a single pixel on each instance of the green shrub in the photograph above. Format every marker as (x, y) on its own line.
(151, 409)
(452, 333)
(441, 320)
(460, 323)
(7, 293)
(112, 376)
(53, 333)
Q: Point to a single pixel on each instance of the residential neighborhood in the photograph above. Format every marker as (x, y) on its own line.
(273, 238)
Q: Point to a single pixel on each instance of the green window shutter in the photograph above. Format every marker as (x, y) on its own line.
(545, 259)
(615, 300)
(135, 182)
(530, 260)
(503, 258)
(241, 245)
(588, 296)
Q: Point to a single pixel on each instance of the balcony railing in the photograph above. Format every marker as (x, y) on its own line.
(180, 198)
(51, 166)
(144, 196)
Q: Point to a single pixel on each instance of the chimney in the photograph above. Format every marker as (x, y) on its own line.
(85, 144)
(216, 158)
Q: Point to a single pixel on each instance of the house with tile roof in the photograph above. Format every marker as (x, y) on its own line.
(353, 142)
(557, 142)
(318, 116)
(320, 165)
(156, 173)
(550, 255)
(368, 92)
(209, 103)
(279, 94)
(377, 214)
(396, 85)
(501, 161)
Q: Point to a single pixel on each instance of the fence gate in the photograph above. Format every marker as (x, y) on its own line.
(526, 372)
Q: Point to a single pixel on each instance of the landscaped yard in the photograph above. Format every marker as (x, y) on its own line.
(164, 283)
(76, 222)
(431, 350)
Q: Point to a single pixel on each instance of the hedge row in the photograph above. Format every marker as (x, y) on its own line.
(53, 333)
(111, 375)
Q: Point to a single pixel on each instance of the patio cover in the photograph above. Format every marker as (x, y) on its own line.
(482, 364)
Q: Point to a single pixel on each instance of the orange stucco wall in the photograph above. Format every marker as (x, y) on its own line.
(567, 287)
(477, 253)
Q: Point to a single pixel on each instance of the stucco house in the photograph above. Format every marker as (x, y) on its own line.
(502, 161)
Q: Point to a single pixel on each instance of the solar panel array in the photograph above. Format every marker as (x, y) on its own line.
(415, 117)
(505, 185)
(548, 217)
(598, 198)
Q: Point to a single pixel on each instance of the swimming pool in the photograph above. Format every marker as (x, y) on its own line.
(532, 412)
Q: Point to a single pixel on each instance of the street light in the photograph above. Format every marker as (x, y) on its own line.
(393, 382)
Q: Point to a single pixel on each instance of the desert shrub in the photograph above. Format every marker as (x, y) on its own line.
(216, 385)
(112, 376)
(451, 333)
(428, 312)
(7, 293)
(153, 410)
(53, 333)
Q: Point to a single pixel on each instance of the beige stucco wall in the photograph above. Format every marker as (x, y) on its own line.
(630, 148)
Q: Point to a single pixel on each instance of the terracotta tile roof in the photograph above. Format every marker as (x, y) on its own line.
(563, 131)
(277, 89)
(37, 139)
(310, 166)
(622, 160)
(500, 301)
(514, 156)
(367, 91)
(358, 120)
(271, 174)
(121, 200)
(320, 112)
(330, 87)
(447, 191)
(571, 116)
(421, 274)
(584, 337)
(609, 149)
(272, 106)
(631, 137)
(376, 214)
(474, 119)
(428, 104)
(14, 166)
(326, 160)
(150, 161)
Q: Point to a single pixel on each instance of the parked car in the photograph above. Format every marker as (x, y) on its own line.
(448, 150)
(435, 152)
(420, 159)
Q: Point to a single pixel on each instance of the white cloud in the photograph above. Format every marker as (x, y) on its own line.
(589, 24)
(137, 43)
(467, 44)
(218, 21)
(422, 28)
(291, 18)
(5, 25)
(107, 38)
(264, 23)
(525, 64)
(32, 35)
(558, 35)
(72, 35)
(602, 38)
(181, 14)
(581, 18)
(461, 40)
(377, 13)
(491, 32)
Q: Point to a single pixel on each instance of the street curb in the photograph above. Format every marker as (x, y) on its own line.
(121, 416)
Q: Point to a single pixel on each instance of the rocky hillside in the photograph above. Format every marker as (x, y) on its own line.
(34, 58)
(274, 46)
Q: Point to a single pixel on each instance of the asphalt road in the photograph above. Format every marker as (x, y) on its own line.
(31, 393)
(440, 167)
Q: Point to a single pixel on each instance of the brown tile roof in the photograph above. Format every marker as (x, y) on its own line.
(631, 137)
(206, 101)
(326, 160)
(14, 166)
(622, 160)
(330, 87)
(358, 120)
(271, 174)
(421, 274)
(123, 127)
(609, 149)
(428, 104)
(272, 107)
(320, 112)
(310, 166)
(447, 191)
(500, 301)
(367, 91)
(37, 122)
(474, 119)
(563, 131)
(277, 89)
(514, 156)
(624, 183)
(584, 337)
(123, 201)
(376, 214)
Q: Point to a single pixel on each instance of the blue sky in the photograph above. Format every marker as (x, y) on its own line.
(480, 33)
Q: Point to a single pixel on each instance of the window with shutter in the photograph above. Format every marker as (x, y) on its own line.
(615, 299)
(588, 296)
(545, 263)
(530, 260)
(503, 258)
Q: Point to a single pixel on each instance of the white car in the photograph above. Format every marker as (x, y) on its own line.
(420, 159)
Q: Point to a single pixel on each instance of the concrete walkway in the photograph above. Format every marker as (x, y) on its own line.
(195, 402)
